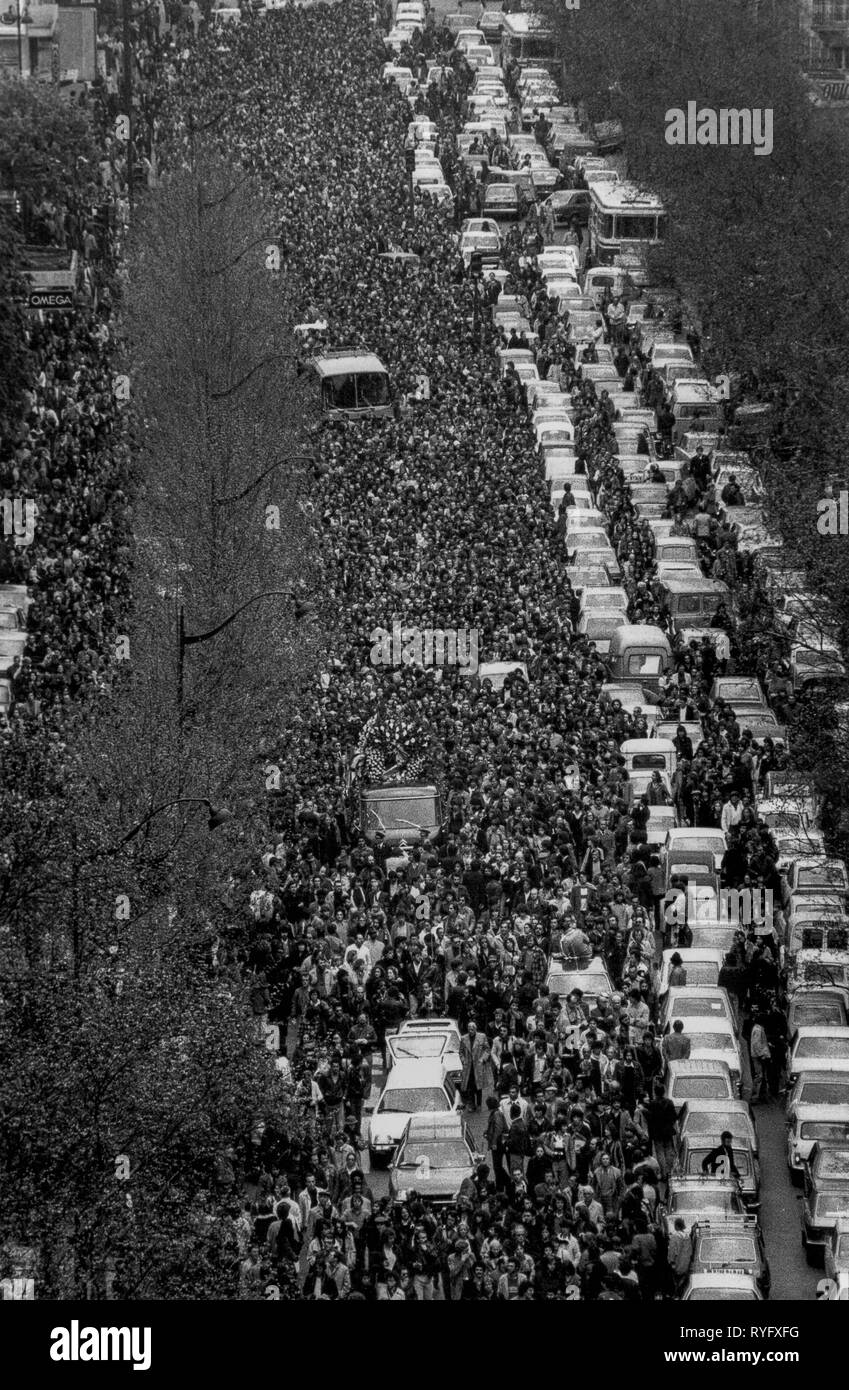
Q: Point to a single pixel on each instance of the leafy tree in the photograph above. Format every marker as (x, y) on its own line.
(46, 145)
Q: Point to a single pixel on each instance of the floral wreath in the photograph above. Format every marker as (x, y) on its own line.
(392, 749)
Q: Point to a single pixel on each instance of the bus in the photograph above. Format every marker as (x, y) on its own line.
(623, 218)
(353, 383)
(526, 39)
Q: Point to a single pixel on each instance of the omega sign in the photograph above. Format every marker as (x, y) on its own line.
(51, 299)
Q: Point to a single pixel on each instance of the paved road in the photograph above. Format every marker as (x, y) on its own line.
(792, 1276)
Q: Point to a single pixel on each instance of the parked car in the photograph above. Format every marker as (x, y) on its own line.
(808, 1125)
(693, 1151)
(723, 1247)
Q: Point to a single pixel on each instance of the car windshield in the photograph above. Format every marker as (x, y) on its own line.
(727, 1250)
(832, 1204)
(824, 937)
(714, 1121)
(825, 876)
(832, 1163)
(741, 690)
(419, 1045)
(703, 1202)
(442, 1154)
(716, 1042)
(824, 1129)
(832, 1048)
(817, 972)
(824, 1093)
(419, 1101)
(696, 1157)
(701, 972)
(700, 1088)
(644, 761)
(809, 1013)
(703, 1007)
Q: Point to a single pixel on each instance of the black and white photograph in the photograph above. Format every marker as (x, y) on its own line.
(424, 712)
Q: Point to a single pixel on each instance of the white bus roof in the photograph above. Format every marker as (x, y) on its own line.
(332, 364)
(624, 197)
(518, 25)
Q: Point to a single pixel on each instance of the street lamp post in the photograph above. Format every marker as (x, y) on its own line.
(192, 639)
(239, 496)
(216, 817)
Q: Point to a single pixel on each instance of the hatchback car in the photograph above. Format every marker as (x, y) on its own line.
(725, 1246)
(695, 1199)
(436, 1154)
(818, 1049)
(707, 1079)
(693, 1152)
(808, 1125)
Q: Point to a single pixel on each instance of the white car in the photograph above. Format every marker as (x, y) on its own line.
(679, 841)
(811, 1124)
(400, 35)
(412, 1088)
(818, 1050)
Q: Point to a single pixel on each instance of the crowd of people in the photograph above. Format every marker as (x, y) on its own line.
(438, 518)
(69, 450)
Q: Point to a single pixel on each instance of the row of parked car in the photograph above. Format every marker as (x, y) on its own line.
(718, 1208)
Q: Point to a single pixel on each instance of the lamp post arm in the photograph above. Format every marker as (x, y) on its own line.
(166, 805)
(192, 638)
(238, 497)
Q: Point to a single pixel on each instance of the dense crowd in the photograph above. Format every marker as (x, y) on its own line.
(440, 518)
(69, 451)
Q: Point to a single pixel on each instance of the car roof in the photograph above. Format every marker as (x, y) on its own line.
(696, 832)
(695, 1066)
(730, 1107)
(416, 1073)
(424, 1025)
(722, 1279)
(812, 1110)
(694, 1180)
(710, 1138)
(421, 1127)
(647, 745)
(822, 1030)
(719, 1026)
(693, 953)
